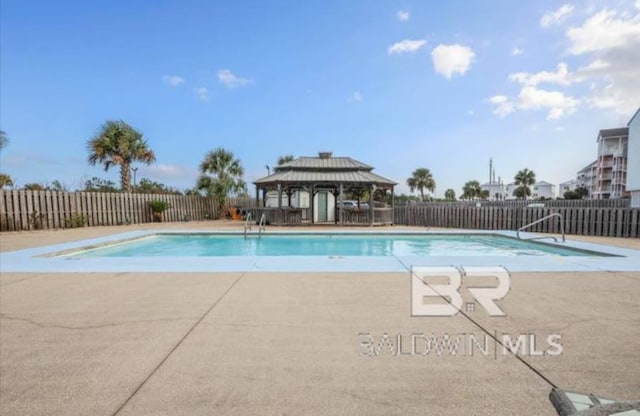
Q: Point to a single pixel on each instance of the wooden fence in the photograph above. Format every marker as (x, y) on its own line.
(611, 222)
(555, 203)
(29, 210)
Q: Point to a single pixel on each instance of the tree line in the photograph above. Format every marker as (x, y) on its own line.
(117, 144)
(422, 180)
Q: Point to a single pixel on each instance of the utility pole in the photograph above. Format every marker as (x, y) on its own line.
(490, 170)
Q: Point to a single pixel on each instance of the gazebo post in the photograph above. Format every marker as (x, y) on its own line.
(341, 214)
(257, 196)
(280, 204)
(393, 208)
(312, 197)
(371, 189)
(335, 194)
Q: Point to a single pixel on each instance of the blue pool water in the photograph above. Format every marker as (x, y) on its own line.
(211, 245)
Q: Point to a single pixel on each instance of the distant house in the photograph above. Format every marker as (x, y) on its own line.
(587, 177)
(509, 189)
(633, 162)
(542, 189)
(497, 190)
(611, 178)
(570, 185)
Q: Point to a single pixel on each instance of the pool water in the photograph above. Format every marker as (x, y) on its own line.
(210, 245)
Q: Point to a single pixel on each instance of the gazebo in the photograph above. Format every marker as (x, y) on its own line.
(311, 190)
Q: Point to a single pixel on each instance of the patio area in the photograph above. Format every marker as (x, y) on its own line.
(292, 343)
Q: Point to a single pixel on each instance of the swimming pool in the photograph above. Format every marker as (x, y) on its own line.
(334, 251)
(208, 245)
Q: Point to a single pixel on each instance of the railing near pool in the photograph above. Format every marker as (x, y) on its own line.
(555, 214)
(302, 216)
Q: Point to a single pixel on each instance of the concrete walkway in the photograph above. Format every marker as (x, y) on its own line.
(294, 343)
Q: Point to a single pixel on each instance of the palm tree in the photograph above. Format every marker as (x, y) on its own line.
(4, 140)
(117, 143)
(221, 176)
(521, 192)
(525, 178)
(285, 159)
(471, 190)
(450, 194)
(5, 180)
(421, 179)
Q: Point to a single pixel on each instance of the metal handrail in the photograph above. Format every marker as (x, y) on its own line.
(555, 214)
(247, 224)
(261, 227)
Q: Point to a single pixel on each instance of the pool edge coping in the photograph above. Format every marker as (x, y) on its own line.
(47, 259)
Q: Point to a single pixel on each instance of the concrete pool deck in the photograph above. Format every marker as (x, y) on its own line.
(290, 343)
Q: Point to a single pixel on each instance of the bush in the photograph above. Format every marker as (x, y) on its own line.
(159, 206)
(36, 220)
(75, 221)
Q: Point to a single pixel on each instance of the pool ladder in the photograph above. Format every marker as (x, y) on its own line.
(555, 214)
(247, 225)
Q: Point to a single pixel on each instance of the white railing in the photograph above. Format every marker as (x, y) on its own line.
(247, 224)
(555, 214)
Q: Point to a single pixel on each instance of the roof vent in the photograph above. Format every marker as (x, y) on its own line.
(324, 155)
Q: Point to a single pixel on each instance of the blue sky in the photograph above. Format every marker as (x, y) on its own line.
(396, 84)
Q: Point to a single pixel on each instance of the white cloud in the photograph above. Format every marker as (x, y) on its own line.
(517, 51)
(561, 76)
(603, 31)
(611, 42)
(504, 106)
(608, 42)
(357, 96)
(403, 15)
(202, 93)
(173, 80)
(558, 104)
(406, 46)
(230, 80)
(556, 16)
(449, 60)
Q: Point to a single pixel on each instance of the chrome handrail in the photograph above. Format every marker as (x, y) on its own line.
(247, 224)
(261, 227)
(555, 214)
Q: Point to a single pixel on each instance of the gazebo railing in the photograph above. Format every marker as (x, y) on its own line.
(302, 216)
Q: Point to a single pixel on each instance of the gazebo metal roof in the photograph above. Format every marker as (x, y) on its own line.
(353, 177)
(324, 163)
(324, 169)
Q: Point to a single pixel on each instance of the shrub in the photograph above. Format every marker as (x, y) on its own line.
(159, 206)
(35, 219)
(75, 221)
